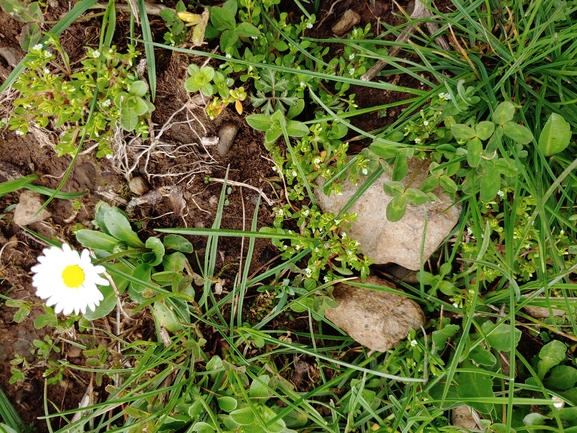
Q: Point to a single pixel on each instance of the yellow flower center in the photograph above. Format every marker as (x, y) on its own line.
(73, 276)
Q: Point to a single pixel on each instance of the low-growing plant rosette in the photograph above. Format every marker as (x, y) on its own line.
(68, 280)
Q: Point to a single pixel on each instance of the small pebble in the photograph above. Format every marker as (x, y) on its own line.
(25, 211)
(138, 186)
(349, 19)
(226, 136)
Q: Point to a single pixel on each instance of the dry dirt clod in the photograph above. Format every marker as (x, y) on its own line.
(465, 416)
(27, 206)
(349, 19)
(138, 186)
(226, 136)
(378, 320)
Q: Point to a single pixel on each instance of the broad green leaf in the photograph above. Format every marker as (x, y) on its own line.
(482, 356)
(221, 19)
(475, 385)
(426, 278)
(273, 133)
(490, 184)
(247, 30)
(394, 189)
(504, 113)
(555, 136)
(128, 118)
(202, 427)
(243, 416)
(474, 149)
(166, 317)
(142, 273)
(400, 168)
(429, 184)
(561, 377)
(138, 88)
(384, 150)
(296, 129)
(517, 133)
(96, 240)
(48, 319)
(499, 336)
(534, 419)
(105, 306)
(506, 167)
(396, 208)
(462, 132)
(177, 243)
(568, 413)
(484, 130)
(140, 106)
(157, 248)
(550, 355)
(118, 226)
(174, 262)
(30, 35)
(448, 184)
(260, 122)
(227, 39)
(226, 403)
(259, 387)
(416, 197)
(441, 336)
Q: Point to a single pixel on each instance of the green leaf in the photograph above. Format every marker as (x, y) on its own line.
(429, 184)
(396, 208)
(118, 226)
(259, 387)
(16, 184)
(504, 113)
(296, 129)
(174, 262)
(48, 319)
(202, 427)
(177, 243)
(128, 118)
(96, 240)
(499, 336)
(474, 149)
(517, 133)
(555, 136)
(157, 248)
(490, 184)
(221, 18)
(475, 385)
(561, 377)
(535, 419)
(166, 317)
(394, 189)
(400, 167)
(243, 416)
(105, 306)
(227, 39)
(484, 130)
(441, 336)
(227, 404)
(462, 132)
(260, 122)
(30, 35)
(247, 30)
(416, 197)
(448, 184)
(138, 88)
(550, 355)
(482, 356)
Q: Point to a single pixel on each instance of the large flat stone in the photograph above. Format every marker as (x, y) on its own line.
(399, 242)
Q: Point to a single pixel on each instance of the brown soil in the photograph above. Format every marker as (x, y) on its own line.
(183, 200)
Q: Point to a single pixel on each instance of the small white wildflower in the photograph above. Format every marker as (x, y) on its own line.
(326, 279)
(455, 305)
(414, 343)
(316, 161)
(469, 231)
(302, 84)
(228, 56)
(37, 47)
(109, 156)
(352, 56)
(46, 70)
(500, 193)
(562, 232)
(417, 140)
(426, 123)
(364, 171)
(106, 103)
(96, 54)
(445, 96)
(19, 132)
(558, 403)
(351, 71)
(309, 26)
(308, 272)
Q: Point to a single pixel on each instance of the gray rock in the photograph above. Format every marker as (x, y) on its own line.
(349, 19)
(399, 242)
(27, 206)
(378, 320)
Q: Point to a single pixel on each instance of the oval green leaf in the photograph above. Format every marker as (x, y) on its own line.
(396, 208)
(474, 149)
(462, 132)
(504, 113)
(555, 136)
(517, 133)
(96, 240)
(484, 129)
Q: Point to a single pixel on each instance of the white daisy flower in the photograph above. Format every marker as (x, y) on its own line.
(67, 280)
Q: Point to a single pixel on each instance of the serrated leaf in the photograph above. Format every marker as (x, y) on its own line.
(462, 132)
(490, 184)
(484, 129)
(474, 149)
(550, 355)
(517, 133)
(499, 336)
(504, 113)
(96, 240)
(396, 208)
(400, 167)
(474, 385)
(561, 377)
(394, 189)
(441, 336)
(555, 136)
